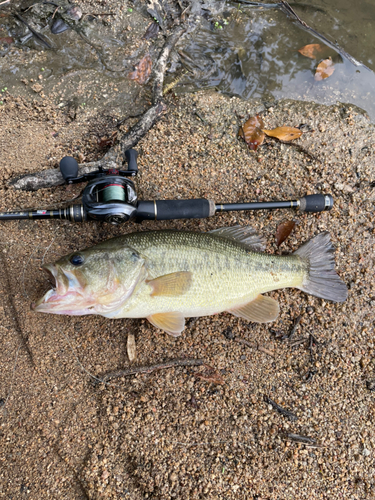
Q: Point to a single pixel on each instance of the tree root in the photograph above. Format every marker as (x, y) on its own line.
(113, 158)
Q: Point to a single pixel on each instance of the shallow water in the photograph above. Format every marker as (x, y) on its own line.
(254, 53)
(245, 51)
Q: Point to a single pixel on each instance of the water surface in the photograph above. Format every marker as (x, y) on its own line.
(254, 53)
(243, 51)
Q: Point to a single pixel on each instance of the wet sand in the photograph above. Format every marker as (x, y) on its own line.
(171, 433)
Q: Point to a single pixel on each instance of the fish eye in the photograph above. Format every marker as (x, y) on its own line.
(77, 259)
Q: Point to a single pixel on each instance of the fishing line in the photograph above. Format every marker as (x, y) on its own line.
(45, 253)
(113, 192)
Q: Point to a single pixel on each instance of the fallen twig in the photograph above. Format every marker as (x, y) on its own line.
(113, 158)
(149, 369)
(266, 351)
(310, 442)
(253, 345)
(293, 330)
(240, 340)
(37, 35)
(297, 342)
(280, 409)
(312, 341)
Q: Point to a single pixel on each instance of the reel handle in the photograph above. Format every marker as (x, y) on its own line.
(69, 168)
(131, 155)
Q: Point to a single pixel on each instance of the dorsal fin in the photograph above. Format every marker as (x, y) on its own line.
(242, 234)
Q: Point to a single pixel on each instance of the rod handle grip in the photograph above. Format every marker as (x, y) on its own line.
(316, 203)
(175, 209)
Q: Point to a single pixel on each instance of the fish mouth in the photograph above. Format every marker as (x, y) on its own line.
(67, 296)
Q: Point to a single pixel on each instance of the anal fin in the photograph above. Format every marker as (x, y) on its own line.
(171, 322)
(260, 310)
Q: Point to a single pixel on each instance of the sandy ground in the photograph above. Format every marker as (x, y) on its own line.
(172, 434)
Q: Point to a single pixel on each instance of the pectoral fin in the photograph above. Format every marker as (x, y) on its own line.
(171, 285)
(260, 310)
(171, 322)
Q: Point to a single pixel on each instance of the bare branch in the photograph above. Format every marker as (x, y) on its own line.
(149, 369)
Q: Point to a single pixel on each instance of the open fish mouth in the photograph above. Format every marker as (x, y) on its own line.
(65, 297)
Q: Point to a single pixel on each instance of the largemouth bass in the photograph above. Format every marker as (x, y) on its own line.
(167, 276)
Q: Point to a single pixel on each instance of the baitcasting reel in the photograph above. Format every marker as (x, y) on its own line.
(111, 197)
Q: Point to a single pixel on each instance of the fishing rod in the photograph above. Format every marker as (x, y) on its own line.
(110, 196)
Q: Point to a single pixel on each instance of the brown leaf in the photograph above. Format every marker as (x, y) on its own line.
(324, 70)
(210, 375)
(283, 231)
(312, 50)
(105, 141)
(284, 133)
(142, 71)
(7, 39)
(251, 132)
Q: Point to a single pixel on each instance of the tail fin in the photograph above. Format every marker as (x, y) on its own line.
(322, 280)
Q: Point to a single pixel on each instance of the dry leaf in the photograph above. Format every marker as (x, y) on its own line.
(324, 70)
(284, 133)
(283, 231)
(105, 141)
(152, 31)
(210, 375)
(131, 347)
(7, 39)
(312, 50)
(142, 71)
(252, 132)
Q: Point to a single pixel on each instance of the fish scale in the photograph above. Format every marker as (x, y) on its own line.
(225, 273)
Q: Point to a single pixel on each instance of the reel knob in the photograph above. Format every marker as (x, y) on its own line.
(131, 156)
(69, 168)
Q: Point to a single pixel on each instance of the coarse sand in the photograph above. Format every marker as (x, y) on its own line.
(172, 433)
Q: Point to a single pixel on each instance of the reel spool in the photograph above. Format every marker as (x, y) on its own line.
(111, 198)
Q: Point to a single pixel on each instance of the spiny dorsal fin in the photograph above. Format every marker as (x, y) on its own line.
(171, 322)
(171, 285)
(245, 235)
(260, 310)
